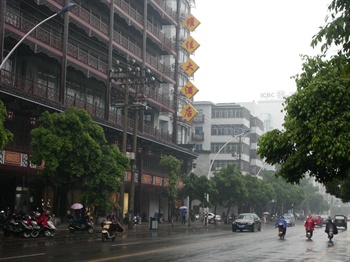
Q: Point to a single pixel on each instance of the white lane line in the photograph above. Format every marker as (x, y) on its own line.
(125, 244)
(16, 257)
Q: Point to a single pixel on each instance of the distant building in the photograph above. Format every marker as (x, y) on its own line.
(226, 133)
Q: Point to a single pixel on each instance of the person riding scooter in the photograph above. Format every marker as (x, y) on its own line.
(309, 225)
(331, 229)
(282, 221)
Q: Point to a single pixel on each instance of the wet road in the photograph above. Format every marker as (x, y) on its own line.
(181, 244)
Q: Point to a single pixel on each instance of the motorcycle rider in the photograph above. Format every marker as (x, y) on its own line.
(330, 225)
(310, 223)
(281, 220)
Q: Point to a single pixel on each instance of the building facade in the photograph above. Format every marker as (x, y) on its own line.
(81, 59)
(226, 133)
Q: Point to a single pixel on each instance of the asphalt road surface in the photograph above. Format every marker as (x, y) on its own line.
(180, 243)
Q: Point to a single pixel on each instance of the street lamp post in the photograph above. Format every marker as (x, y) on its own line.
(64, 9)
(212, 162)
(137, 78)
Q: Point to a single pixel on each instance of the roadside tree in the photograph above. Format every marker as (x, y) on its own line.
(5, 135)
(74, 150)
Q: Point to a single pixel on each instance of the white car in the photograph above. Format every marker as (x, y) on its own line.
(212, 215)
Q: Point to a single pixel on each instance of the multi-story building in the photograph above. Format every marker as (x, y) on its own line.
(71, 60)
(226, 133)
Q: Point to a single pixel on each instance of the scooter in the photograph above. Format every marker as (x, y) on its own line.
(81, 225)
(281, 232)
(309, 233)
(12, 227)
(110, 229)
(46, 226)
(330, 236)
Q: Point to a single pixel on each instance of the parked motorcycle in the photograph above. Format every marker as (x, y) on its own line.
(46, 225)
(281, 232)
(309, 233)
(12, 227)
(110, 229)
(81, 225)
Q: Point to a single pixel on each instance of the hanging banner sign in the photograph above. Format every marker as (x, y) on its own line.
(190, 45)
(189, 112)
(190, 67)
(189, 90)
(191, 23)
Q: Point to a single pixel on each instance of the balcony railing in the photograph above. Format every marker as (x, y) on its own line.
(56, 41)
(88, 57)
(198, 137)
(17, 82)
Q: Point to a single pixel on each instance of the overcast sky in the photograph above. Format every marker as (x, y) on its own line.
(250, 47)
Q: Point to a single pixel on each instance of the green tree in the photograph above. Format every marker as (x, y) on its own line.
(5, 135)
(337, 29)
(316, 136)
(230, 186)
(99, 186)
(72, 148)
(260, 194)
(172, 165)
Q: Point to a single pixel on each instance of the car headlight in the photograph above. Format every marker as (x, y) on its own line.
(250, 223)
(234, 223)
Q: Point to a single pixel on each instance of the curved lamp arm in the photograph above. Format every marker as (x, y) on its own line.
(64, 9)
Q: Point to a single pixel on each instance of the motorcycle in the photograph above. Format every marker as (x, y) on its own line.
(281, 232)
(81, 225)
(330, 235)
(12, 227)
(45, 224)
(309, 233)
(110, 229)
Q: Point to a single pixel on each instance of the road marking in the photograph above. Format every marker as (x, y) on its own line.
(125, 244)
(16, 257)
(139, 254)
(221, 240)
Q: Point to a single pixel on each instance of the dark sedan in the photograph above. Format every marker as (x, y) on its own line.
(246, 221)
(340, 221)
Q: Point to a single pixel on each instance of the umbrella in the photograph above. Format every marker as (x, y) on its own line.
(76, 206)
(266, 213)
(183, 207)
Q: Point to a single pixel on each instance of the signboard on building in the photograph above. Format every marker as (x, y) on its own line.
(191, 23)
(189, 90)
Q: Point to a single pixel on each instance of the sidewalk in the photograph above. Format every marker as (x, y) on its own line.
(160, 227)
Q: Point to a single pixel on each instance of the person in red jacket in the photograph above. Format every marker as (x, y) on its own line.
(310, 223)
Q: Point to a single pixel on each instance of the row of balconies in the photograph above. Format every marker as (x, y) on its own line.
(43, 91)
(89, 58)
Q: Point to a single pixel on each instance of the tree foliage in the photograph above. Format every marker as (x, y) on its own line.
(74, 150)
(5, 135)
(230, 186)
(316, 137)
(336, 31)
(172, 165)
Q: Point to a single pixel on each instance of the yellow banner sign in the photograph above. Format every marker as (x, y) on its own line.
(191, 23)
(189, 90)
(190, 67)
(190, 45)
(189, 112)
